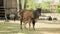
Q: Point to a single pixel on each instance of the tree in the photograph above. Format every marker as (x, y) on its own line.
(25, 2)
(20, 5)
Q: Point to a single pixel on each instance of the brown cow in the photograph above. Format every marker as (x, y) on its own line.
(28, 16)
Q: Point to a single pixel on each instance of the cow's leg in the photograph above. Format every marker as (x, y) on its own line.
(25, 25)
(21, 23)
(33, 22)
(29, 26)
(29, 23)
(14, 18)
(7, 17)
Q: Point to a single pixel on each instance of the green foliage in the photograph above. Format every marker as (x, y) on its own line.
(45, 5)
(46, 11)
(58, 6)
(31, 5)
(58, 10)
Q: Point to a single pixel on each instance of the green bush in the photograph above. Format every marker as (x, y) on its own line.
(46, 11)
(58, 10)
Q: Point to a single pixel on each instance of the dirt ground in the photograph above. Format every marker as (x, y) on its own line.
(43, 27)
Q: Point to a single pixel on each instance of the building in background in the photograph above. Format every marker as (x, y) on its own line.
(7, 6)
(2, 11)
(53, 6)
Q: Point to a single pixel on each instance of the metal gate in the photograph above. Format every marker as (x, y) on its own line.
(2, 11)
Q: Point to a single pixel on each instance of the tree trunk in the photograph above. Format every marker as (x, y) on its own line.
(25, 1)
(20, 5)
